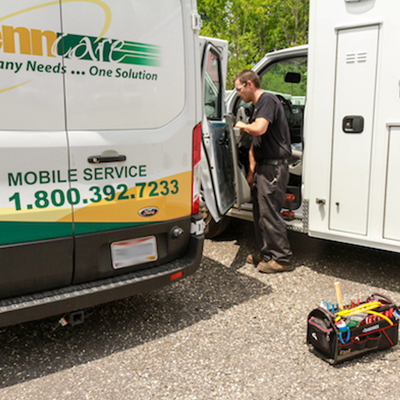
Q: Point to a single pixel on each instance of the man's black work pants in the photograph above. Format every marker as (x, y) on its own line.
(269, 192)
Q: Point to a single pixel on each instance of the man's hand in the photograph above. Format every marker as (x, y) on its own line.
(250, 179)
(241, 125)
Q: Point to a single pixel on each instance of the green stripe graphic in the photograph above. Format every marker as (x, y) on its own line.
(20, 232)
(109, 50)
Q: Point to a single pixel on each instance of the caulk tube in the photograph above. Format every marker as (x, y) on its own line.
(355, 320)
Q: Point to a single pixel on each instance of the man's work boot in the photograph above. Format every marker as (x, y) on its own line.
(254, 258)
(272, 267)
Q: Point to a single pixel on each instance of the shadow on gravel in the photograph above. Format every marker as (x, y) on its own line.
(355, 263)
(40, 348)
(36, 349)
(342, 261)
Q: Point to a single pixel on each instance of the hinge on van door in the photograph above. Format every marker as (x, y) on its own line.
(197, 22)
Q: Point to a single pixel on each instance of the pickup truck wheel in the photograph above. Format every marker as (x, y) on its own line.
(212, 228)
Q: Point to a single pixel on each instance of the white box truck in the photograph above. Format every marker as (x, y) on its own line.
(100, 150)
(342, 100)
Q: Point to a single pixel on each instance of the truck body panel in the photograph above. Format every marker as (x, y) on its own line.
(352, 114)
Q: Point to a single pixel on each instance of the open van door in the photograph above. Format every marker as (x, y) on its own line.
(223, 183)
(218, 167)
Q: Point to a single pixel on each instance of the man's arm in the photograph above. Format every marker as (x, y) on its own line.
(252, 167)
(256, 128)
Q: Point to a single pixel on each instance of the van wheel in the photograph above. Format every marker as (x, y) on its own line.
(212, 228)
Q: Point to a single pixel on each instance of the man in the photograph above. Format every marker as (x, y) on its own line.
(268, 173)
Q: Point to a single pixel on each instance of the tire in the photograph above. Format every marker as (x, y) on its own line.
(212, 229)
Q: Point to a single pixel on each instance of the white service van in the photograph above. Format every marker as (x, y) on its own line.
(100, 151)
(341, 97)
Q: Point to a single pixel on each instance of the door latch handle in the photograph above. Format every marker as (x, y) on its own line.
(105, 159)
(353, 124)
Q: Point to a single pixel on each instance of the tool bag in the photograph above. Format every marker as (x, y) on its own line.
(337, 339)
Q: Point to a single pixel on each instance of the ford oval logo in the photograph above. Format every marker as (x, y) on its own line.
(148, 211)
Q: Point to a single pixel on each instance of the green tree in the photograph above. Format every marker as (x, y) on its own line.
(254, 28)
(294, 22)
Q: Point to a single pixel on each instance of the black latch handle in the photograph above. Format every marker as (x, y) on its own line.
(353, 124)
(105, 159)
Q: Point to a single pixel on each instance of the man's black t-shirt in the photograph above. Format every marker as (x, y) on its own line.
(275, 143)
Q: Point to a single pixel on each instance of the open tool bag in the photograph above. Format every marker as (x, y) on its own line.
(339, 335)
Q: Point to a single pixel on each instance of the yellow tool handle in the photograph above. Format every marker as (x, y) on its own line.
(339, 295)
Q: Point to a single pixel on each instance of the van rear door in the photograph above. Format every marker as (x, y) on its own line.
(35, 196)
(130, 111)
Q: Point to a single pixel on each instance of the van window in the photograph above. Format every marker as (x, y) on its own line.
(279, 79)
(273, 79)
(213, 95)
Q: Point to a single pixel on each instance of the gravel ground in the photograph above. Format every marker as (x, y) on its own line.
(227, 332)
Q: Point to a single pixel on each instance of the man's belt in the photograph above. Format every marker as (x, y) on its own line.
(272, 161)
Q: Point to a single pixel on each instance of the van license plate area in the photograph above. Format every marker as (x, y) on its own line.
(132, 252)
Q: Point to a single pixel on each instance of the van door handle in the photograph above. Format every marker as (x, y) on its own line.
(105, 159)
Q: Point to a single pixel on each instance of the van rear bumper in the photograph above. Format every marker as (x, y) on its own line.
(72, 298)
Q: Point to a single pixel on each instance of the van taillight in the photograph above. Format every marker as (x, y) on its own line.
(196, 169)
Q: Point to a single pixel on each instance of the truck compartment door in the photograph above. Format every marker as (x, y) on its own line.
(353, 128)
(392, 215)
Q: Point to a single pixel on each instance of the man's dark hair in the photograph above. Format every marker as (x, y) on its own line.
(248, 75)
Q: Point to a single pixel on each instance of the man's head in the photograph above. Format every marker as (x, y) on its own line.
(247, 83)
